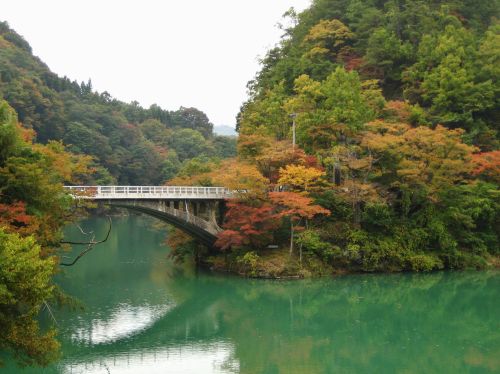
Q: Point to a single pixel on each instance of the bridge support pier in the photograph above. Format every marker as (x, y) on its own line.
(186, 216)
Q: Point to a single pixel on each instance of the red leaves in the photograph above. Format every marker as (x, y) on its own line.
(15, 218)
(229, 238)
(351, 60)
(246, 224)
(254, 225)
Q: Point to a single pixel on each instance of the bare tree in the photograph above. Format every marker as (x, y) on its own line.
(90, 244)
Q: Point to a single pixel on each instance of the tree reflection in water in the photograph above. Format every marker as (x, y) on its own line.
(200, 322)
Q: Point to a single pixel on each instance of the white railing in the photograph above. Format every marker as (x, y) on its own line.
(148, 192)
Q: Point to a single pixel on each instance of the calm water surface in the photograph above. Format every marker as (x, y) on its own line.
(144, 315)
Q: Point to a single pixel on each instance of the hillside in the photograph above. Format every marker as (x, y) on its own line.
(396, 165)
(130, 144)
(442, 57)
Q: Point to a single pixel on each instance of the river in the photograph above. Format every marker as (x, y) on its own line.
(144, 314)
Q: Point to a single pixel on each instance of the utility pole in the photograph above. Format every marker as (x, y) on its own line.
(293, 115)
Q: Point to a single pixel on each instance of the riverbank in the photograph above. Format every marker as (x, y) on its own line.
(279, 264)
(271, 264)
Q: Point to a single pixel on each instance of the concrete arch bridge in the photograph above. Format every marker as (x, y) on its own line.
(198, 211)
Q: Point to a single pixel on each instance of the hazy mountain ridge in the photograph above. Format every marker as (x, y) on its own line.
(225, 130)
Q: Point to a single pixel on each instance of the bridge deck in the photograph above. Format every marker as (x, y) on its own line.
(149, 192)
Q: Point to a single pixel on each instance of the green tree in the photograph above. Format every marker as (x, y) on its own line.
(33, 209)
(445, 79)
(25, 286)
(194, 119)
(189, 143)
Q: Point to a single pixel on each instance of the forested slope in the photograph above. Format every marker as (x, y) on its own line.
(130, 144)
(397, 161)
(439, 55)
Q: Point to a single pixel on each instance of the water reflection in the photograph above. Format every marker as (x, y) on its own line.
(145, 315)
(192, 358)
(124, 321)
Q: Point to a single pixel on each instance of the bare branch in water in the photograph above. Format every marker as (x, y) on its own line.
(90, 245)
(50, 312)
(83, 232)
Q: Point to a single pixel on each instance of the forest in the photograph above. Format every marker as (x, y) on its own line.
(396, 164)
(130, 145)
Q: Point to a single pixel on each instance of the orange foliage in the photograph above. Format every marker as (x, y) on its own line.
(69, 167)
(296, 206)
(399, 110)
(278, 155)
(232, 174)
(27, 135)
(312, 162)
(253, 225)
(487, 164)
(251, 146)
(240, 176)
(353, 63)
(268, 154)
(430, 158)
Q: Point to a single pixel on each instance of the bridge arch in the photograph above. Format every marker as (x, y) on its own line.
(179, 219)
(163, 202)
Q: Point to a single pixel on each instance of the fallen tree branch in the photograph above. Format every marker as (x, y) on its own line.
(83, 232)
(90, 245)
(46, 305)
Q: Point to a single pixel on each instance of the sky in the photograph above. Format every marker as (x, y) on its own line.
(191, 53)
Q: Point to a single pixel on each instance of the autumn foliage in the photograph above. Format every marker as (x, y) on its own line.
(300, 178)
(253, 225)
(487, 165)
(13, 218)
(295, 206)
(33, 210)
(248, 225)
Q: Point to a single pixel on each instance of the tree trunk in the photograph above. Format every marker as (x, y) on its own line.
(300, 255)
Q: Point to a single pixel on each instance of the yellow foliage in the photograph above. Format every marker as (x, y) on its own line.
(329, 31)
(233, 174)
(240, 176)
(300, 178)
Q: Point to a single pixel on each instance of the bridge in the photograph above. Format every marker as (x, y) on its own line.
(198, 211)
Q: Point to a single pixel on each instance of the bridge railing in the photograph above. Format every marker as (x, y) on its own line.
(149, 192)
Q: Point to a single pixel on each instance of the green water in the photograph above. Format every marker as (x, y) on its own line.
(145, 315)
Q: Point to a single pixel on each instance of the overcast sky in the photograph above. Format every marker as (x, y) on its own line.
(196, 53)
